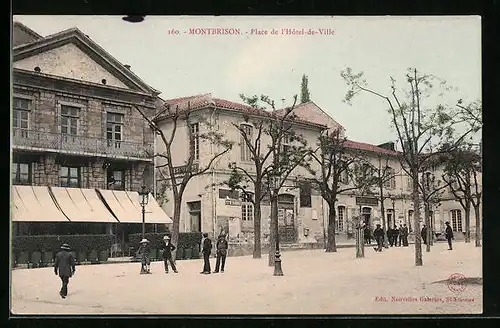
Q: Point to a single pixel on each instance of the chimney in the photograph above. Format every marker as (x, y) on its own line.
(388, 146)
(127, 66)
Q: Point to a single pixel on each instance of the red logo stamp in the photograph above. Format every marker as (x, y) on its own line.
(457, 283)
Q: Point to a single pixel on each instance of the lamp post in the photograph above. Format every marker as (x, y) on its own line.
(143, 201)
(393, 200)
(274, 183)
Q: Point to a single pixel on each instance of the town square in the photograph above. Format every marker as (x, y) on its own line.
(312, 165)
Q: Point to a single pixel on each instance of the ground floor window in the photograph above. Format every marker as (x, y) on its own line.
(69, 177)
(341, 212)
(246, 207)
(456, 220)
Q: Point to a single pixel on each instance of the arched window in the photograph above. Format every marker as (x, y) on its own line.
(456, 220)
(341, 213)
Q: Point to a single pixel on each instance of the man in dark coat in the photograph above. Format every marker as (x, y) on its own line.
(390, 236)
(64, 264)
(423, 233)
(395, 235)
(206, 250)
(448, 234)
(221, 253)
(405, 235)
(378, 233)
(167, 250)
(401, 235)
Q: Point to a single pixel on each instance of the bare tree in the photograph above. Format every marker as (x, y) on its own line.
(275, 150)
(461, 176)
(178, 181)
(421, 128)
(336, 168)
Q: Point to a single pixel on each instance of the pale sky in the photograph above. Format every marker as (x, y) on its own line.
(227, 65)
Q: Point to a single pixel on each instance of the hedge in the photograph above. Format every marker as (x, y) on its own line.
(51, 243)
(186, 239)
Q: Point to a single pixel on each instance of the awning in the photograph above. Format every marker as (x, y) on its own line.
(125, 205)
(82, 205)
(34, 204)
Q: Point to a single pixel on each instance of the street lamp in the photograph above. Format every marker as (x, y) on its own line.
(143, 201)
(274, 184)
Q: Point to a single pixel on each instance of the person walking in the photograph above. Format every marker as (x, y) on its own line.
(405, 235)
(64, 264)
(221, 247)
(145, 254)
(390, 236)
(401, 233)
(449, 234)
(167, 250)
(206, 250)
(423, 233)
(378, 233)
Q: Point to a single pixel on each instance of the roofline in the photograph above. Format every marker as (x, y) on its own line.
(26, 29)
(87, 41)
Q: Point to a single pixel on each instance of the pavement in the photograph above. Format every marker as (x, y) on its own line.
(314, 282)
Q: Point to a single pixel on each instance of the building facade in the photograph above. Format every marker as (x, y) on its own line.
(210, 206)
(75, 126)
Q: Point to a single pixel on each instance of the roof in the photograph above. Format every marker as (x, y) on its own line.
(26, 29)
(310, 111)
(369, 147)
(206, 100)
(74, 35)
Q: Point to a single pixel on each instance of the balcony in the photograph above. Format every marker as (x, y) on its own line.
(78, 145)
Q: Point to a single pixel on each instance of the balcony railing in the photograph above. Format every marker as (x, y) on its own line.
(64, 143)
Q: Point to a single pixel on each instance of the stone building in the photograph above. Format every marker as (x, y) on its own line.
(210, 206)
(74, 129)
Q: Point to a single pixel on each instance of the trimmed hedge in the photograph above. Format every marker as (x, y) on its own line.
(51, 243)
(186, 239)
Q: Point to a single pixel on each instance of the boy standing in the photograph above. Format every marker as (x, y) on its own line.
(221, 253)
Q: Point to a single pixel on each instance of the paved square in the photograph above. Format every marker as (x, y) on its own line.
(315, 282)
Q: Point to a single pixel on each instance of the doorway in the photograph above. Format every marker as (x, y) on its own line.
(366, 213)
(195, 216)
(286, 218)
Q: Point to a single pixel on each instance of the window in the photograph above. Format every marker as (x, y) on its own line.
(246, 130)
(390, 216)
(195, 140)
(223, 193)
(114, 129)
(410, 216)
(20, 116)
(409, 183)
(116, 179)
(246, 207)
(456, 220)
(340, 218)
(69, 177)
(389, 178)
(21, 173)
(286, 143)
(344, 176)
(305, 194)
(69, 120)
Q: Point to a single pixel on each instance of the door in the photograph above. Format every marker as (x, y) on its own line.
(286, 219)
(195, 216)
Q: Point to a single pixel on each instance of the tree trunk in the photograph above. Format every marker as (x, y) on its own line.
(432, 234)
(330, 246)
(359, 243)
(257, 214)
(273, 229)
(427, 224)
(416, 219)
(467, 223)
(382, 212)
(478, 225)
(176, 223)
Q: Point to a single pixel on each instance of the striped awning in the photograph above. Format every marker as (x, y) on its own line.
(34, 204)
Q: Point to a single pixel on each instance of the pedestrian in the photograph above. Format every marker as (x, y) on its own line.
(221, 247)
(390, 236)
(368, 235)
(378, 233)
(405, 235)
(449, 234)
(395, 235)
(64, 264)
(167, 250)
(145, 254)
(401, 233)
(423, 233)
(206, 250)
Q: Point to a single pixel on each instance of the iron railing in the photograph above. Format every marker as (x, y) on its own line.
(64, 143)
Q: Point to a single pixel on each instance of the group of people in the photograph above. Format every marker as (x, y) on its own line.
(398, 236)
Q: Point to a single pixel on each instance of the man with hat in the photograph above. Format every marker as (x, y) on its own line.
(206, 250)
(448, 234)
(221, 252)
(378, 233)
(145, 259)
(64, 264)
(167, 250)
